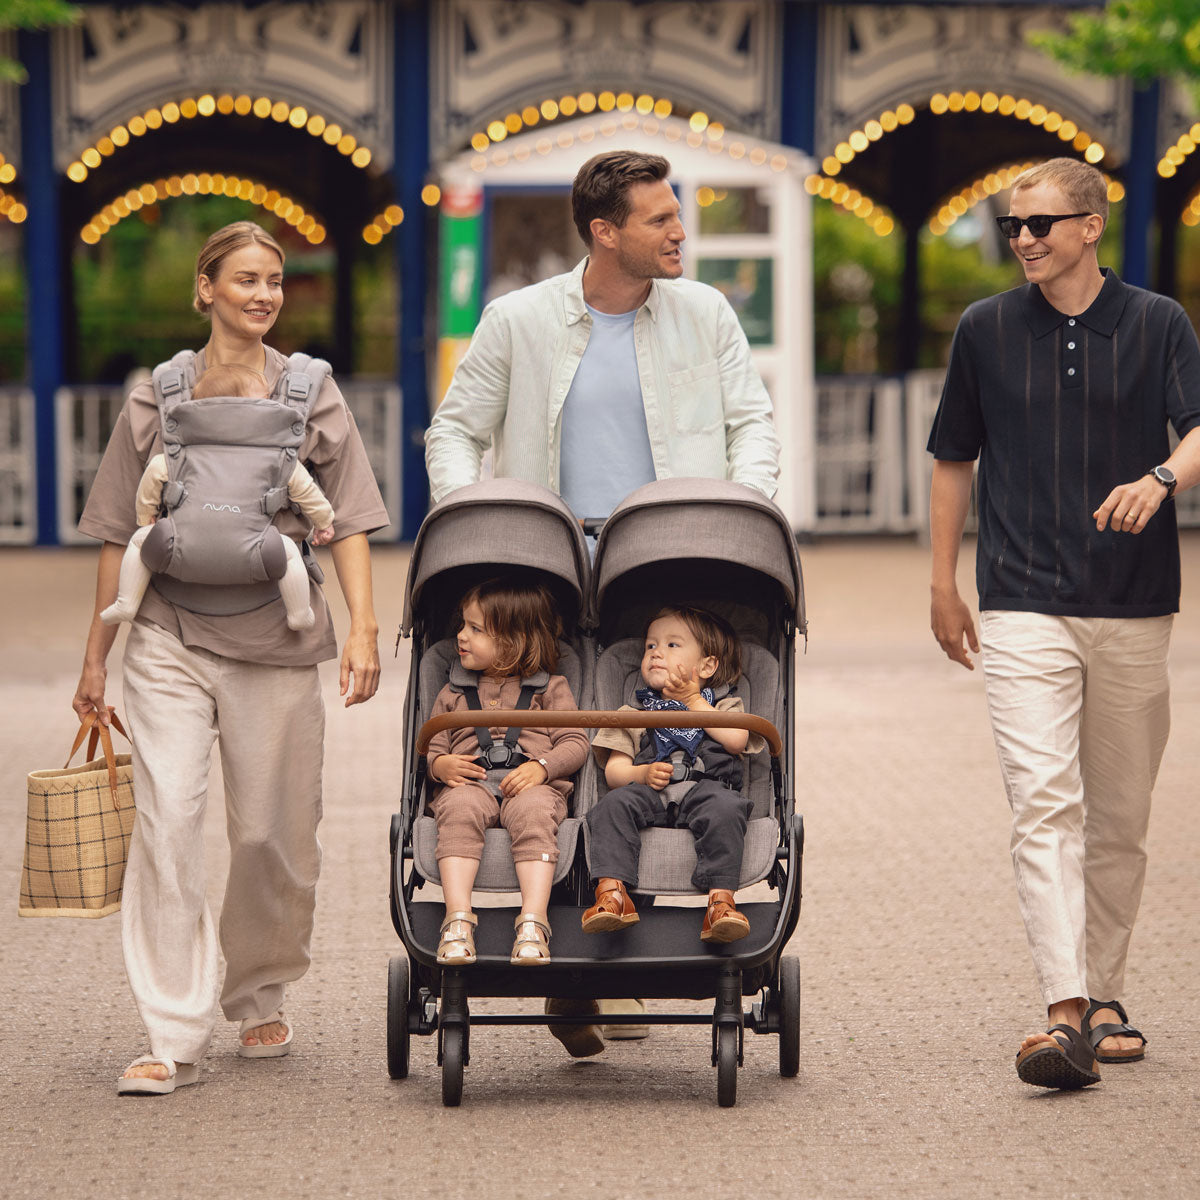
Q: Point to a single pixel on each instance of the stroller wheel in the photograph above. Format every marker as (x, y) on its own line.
(788, 1000)
(727, 1065)
(397, 1017)
(453, 1039)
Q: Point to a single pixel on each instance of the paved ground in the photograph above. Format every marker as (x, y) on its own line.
(917, 985)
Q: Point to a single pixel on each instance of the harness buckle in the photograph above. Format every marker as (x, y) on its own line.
(500, 756)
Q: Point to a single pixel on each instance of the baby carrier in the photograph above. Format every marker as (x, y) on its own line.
(214, 548)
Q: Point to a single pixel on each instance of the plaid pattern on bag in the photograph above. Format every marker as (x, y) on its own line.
(77, 835)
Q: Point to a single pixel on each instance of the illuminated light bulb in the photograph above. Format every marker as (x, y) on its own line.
(955, 101)
(971, 102)
(885, 226)
(120, 136)
(76, 172)
(989, 102)
(839, 193)
(946, 215)
(90, 234)
(282, 207)
(148, 192)
(1189, 218)
(828, 187)
(549, 110)
(316, 125)
(280, 111)
(843, 152)
(137, 126)
(316, 235)
(644, 104)
(1081, 141)
(705, 196)
(565, 139)
(225, 104)
(306, 225)
(1022, 110)
(544, 146)
(218, 184)
(206, 105)
(1007, 106)
(779, 163)
(936, 227)
(1067, 131)
(1116, 191)
(873, 130)
(106, 147)
(606, 101)
(361, 157)
(737, 150)
(134, 200)
(1053, 122)
(245, 189)
(715, 130)
(625, 102)
(513, 122)
(1094, 153)
(698, 121)
(1038, 114)
(174, 186)
(1186, 144)
(372, 235)
(662, 108)
(204, 183)
(8, 173)
(91, 157)
(17, 213)
(864, 208)
(170, 113)
(496, 131)
(331, 135)
(258, 194)
(394, 214)
(888, 121)
(295, 216)
(153, 118)
(500, 157)
(188, 109)
(243, 106)
(232, 187)
(1166, 169)
(298, 117)
(530, 115)
(120, 207)
(568, 106)
(587, 103)
(830, 165)
(859, 141)
(853, 196)
(905, 114)
(1194, 132)
(262, 108)
(758, 156)
(270, 199)
(346, 143)
(938, 104)
(957, 206)
(1174, 154)
(812, 184)
(480, 142)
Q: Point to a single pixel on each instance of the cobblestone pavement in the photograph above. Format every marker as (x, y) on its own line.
(917, 982)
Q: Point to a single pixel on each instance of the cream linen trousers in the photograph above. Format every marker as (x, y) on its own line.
(1080, 711)
(270, 723)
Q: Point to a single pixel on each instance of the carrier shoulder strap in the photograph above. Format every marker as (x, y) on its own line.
(173, 383)
(483, 734)
(301, 383)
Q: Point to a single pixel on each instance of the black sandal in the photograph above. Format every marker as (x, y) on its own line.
(1097, 1035)
(1068, 1064)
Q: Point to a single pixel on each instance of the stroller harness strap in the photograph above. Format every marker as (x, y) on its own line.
(506, 753)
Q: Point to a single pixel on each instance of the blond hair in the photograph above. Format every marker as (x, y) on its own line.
(220, 246)
(1080, 182)
(230, 379)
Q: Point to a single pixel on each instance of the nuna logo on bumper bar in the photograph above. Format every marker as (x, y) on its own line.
(223, 507)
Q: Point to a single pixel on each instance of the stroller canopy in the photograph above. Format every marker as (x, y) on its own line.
(495, 524)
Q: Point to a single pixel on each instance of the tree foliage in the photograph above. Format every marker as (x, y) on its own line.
(31, 14)
(1143, 39)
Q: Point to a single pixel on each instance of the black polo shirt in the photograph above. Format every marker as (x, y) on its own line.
(1059, 410)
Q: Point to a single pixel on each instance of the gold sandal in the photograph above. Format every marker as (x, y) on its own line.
(533, 940)
(457, 945)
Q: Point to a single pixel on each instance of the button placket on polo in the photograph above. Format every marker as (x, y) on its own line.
(1072, 356)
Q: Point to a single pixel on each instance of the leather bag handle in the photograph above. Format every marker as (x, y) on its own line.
(94, 730)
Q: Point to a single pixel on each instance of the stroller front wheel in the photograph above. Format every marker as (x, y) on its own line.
(397, 1017)
(453, 1040)
(727, 1065)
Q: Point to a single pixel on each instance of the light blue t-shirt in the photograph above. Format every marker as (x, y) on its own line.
(605, 448)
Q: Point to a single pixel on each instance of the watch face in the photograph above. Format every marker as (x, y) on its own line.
(1164, 475)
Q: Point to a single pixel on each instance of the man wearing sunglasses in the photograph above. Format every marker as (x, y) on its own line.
(1063, 389)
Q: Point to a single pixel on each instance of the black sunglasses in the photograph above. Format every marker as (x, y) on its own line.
(1038, 226)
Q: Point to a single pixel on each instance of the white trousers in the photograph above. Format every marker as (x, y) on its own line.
(1080, 711)
(269, 723)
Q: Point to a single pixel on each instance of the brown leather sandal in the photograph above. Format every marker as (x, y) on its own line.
(612, 911)
(722, 921)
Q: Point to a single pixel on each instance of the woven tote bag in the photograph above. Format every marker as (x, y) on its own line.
(77, 831)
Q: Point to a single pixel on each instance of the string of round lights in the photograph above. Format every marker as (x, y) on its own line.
(1191, 212)
(877, 217)
(1172, 160)
(584, 104)
(192, 108)
(203, 184)
(11, 208)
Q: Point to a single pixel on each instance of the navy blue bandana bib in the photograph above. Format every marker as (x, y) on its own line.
(672, 738)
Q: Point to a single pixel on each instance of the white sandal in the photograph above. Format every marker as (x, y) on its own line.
(264, 1050)
(178, 1075)
(533, 940)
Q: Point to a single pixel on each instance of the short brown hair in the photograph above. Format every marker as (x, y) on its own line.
(716, 638)
(601, 187)
(223, 243)
(1079, 182)
(230, 379)
(524, 623)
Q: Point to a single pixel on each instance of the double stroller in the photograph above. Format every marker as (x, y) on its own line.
(723, 547)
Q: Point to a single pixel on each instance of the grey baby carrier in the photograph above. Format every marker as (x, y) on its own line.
(214, 548)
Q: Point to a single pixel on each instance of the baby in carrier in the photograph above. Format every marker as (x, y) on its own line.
(224, 380)
(507, 649)
(678, 777)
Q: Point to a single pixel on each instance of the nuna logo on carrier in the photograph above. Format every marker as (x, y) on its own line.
(233, 508)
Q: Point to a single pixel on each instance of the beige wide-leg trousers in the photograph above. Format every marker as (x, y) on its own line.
(1080, 711)
(269, 723)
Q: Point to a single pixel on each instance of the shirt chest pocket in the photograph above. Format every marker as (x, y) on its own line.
(696, 398)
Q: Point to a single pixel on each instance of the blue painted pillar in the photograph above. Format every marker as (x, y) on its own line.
(43, 270)
(411, 121)
(798, 76)
(1141, 180)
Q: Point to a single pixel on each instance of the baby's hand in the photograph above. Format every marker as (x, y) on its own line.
(321, 536)
(456, 769)
(658, 774)
(681, 687)
(527, 775)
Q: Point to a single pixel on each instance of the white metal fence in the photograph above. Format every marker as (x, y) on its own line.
(18, 473)
(86, 415)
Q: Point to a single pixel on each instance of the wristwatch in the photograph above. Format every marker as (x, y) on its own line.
(544, 767)
(1166, 477)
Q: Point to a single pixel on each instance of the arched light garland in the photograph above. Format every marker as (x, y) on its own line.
(12, 208)
(1191, 213)
(1172, 160)
(584, 104)
(941, 103)
(280, 111)
(853, 201)
(960, 203)
(203, 184)
(8, 172)
(699, 132)
(384, 223)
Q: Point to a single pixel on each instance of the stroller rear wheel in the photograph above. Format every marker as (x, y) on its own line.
(397, 1017)
(727, 1065)
(788, 1001)
(453, 1044)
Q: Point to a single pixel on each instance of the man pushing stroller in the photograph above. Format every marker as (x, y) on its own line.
(679, 777)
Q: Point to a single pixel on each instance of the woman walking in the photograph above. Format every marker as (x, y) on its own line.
(245, 681)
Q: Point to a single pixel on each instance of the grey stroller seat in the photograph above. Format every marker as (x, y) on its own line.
(668, 857)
